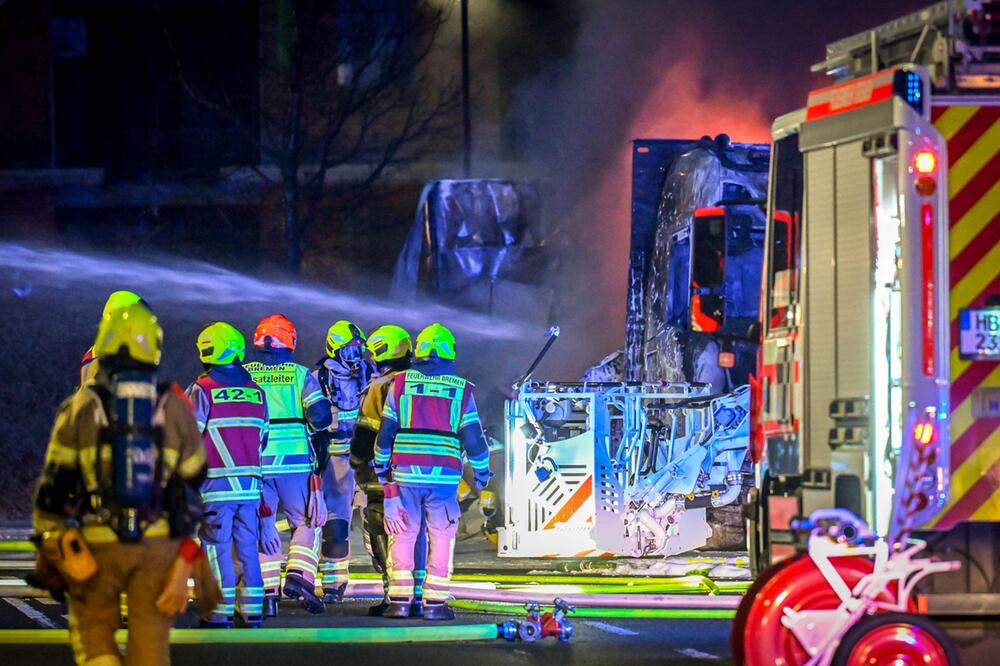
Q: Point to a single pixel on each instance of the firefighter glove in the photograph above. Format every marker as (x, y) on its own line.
(206, 588)
(173, 598)
(395, 517)
(47, 577)
(270, 540)
(316, 511)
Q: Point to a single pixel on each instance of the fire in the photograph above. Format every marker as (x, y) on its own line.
(676, 105)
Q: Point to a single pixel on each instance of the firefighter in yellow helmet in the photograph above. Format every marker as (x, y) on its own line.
(119, 500)
(231, 412)
(343, 375)
(428, 423)
(117, 299)
(391, 350)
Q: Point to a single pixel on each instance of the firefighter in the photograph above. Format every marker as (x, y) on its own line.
(117, 299)
(295, 403)
(232, 415)
(391, 349)
(118, 500)
(343, 375)
(428, 422)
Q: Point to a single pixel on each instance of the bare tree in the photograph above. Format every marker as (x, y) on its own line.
(345, 83)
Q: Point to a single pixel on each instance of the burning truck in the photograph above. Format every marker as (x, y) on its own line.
(641, 464)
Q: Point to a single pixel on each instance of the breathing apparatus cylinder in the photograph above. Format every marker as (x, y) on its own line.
(133, 449)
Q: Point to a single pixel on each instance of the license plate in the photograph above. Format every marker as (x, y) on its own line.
(979, 334)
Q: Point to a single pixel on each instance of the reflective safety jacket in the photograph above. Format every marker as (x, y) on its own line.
(344, 389)
(294, 401)
(75, 448)
(366, 430)
(231, 413)
(428, 422)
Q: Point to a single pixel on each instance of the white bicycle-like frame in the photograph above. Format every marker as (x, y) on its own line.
(819, 631)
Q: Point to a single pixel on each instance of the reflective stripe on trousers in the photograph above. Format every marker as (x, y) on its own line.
(439, 507)
(228, 528)
(289, 493)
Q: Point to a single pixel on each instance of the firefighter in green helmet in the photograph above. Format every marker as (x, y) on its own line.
(391, 350)
(428, 423)
(343, 375)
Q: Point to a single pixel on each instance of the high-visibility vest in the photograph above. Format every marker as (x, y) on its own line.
(288, 450)
(233, 430)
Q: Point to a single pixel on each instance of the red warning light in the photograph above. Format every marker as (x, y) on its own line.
(924, 162)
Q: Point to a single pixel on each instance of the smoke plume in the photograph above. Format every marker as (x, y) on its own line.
(633, 74)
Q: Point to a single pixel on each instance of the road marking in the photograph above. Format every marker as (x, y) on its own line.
(610, 628)
(36, 615)
(698, 654)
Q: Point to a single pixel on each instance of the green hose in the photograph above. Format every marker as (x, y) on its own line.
(17, 547)
(671, 584)
(640, 613)
(440, 633)
(678, 583)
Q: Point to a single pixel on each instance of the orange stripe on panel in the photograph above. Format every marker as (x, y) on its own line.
(576, 500)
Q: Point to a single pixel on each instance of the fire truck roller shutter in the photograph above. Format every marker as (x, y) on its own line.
(837, 315)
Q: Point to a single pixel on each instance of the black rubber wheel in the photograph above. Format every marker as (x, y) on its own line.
(877, 638)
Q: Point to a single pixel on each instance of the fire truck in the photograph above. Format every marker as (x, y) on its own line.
(880, 298)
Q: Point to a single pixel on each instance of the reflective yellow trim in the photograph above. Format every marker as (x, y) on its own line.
(104, 534)
(973, 160)
(63, 456)
(170, 458)
(954, 118)
(191, 465)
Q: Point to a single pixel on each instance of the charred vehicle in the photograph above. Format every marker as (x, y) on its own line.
(481, 245)
(694, 270)
(643, 467)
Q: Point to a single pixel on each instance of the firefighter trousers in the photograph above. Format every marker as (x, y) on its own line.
(228, 528)
(139, 570)
(290, 494)
(338, 492)
(438, 506)
(374, 527)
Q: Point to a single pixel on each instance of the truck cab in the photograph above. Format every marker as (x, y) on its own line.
(696, 254)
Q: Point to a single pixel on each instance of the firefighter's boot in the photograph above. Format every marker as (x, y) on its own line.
(334, 594)
(297, 588)
(397, 609)
(438, 612)
(271, 605)
(378, 610)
